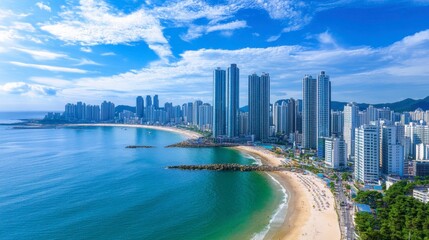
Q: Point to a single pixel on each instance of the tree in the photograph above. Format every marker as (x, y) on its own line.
(372, 198)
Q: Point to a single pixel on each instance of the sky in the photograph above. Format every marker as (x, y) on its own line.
(55, 52)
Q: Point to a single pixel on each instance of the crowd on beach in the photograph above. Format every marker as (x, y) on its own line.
(320, 198)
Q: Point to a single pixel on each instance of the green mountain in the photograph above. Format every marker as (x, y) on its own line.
(401, 106)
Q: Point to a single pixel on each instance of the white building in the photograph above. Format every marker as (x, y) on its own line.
(422, 151)
(367, 154)
(350, 123)
(421, 194)
(392, 153)
(335, 153)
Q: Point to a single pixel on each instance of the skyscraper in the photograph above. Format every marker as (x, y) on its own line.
(337, 123)
(139, 107)
(219, 102)
(196, 112)
(367, 154)
(259, 106)
(148, 101)
(107, 111)
(351, 111)
(309, 112)
(323, 110)
(156, 102)
(392, 153)
(232, 101)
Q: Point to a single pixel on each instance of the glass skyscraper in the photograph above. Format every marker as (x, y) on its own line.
(219, 102)
(232, 101)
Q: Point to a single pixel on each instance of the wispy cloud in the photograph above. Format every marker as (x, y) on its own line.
(21, 88)
(43, 6)
(86, 49)
(195, 31)
(49, 68)
(41, 55)
(85, 61)
(95, 22)
(352, 67)
(108, 54)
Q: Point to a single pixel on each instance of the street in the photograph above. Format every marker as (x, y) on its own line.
(345, 210)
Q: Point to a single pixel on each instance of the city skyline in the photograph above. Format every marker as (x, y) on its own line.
(373, 51)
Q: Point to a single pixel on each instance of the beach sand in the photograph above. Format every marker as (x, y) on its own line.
(310, 213)
(189, 134)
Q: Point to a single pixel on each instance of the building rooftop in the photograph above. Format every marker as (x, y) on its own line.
(363, 207)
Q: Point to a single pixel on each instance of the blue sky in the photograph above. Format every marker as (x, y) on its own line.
(54, 52)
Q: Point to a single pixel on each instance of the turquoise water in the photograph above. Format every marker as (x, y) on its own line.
(82, 183)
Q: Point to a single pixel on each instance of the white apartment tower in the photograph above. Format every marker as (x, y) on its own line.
(367, 154)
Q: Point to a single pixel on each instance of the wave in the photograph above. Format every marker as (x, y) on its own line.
(279, 215)
(253, 158)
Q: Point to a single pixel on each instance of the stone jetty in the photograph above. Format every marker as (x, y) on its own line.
(200, 144)
(229, 167)
(139, 146)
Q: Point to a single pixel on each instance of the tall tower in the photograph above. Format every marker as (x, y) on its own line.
(139, 107)
(219, 102)
(309, 112)
(156, 102)
(392, 153)
(259, 105)
(323, 111)
(367, 154)
(232, 101)
(351, 117)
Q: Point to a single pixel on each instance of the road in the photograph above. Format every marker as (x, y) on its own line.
(345, 213)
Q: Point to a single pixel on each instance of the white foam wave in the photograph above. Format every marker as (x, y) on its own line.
(255, 159)
(279, 215)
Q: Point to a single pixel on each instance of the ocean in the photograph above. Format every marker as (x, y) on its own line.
(82, 183)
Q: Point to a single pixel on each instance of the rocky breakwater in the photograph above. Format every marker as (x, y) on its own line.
(200, 143)
(139, 146)
(229, 167)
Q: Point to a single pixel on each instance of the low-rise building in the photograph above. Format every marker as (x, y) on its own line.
(421, 194)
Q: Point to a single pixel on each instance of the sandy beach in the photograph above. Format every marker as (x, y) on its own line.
(310, 208)
(310, 213)
(184, 132)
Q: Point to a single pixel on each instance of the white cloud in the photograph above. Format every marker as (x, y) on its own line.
(41, 55)
(326, 39)
(95, 22)
(85, 61)
(108, 54)
(43, 6)
(22, 88)
(49, 68)
(354, 67)
(86, 49)
(54, 82)
(226, 28)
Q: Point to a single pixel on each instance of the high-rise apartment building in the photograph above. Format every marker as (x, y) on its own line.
(259, 106)
(139, 107)
(323, 110)
(219, 102)
(392, 153)
(367, 154)
(351, 111)
(309, 112)
(232, 101)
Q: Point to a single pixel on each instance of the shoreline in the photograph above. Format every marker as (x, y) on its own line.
(307, 215)
(298, 219)
(187, 133)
